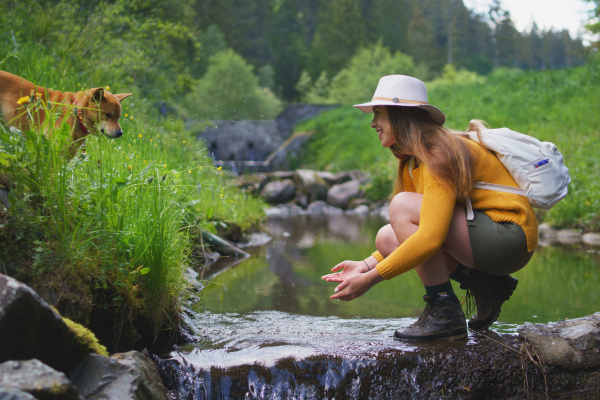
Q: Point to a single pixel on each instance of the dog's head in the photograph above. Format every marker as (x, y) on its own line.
(102, 112)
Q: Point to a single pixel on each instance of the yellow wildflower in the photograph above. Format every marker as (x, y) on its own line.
(151, 140)
(165, 165)
(125, 115)
(23, 100)
(38, 96)
(131, 117)
(189, 172)
(145, 162)
(140, 135)
(220, 168)
(129, 166)
(183, 141)
(221, 196)
(107, 87)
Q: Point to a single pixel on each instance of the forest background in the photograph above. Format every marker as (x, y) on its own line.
(112, 232)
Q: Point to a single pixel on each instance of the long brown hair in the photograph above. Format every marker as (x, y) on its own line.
(444, 153)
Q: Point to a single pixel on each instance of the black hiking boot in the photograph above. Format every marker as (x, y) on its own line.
(490, 292)
(442, 319)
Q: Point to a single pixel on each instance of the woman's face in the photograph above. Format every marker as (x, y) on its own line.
(381, 123)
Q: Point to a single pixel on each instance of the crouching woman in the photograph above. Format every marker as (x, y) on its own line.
(429, 230)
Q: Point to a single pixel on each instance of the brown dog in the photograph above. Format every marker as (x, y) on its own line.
(93, 111)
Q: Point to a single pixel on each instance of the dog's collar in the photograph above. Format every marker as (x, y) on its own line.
(84, 129)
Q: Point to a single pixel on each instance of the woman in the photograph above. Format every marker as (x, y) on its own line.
(429, 230)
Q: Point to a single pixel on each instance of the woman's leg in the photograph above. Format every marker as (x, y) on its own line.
(405, 210)
(443, 317)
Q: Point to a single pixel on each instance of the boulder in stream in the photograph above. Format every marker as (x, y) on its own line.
(30, 328)
(278, 192)
(37, 379)
(123, 376)
(572, 344)
(340, 195)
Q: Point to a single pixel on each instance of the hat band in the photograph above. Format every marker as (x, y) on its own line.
(396, 100)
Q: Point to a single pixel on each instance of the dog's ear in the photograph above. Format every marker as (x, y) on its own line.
(122, 96)
(97, 95)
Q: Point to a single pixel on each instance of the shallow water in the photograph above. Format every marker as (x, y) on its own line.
(274, 306)
(559, 282)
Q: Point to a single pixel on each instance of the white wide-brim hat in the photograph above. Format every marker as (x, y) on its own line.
(405, 91)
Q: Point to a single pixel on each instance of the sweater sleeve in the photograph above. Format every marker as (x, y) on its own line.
(378, 256)
(436, 213)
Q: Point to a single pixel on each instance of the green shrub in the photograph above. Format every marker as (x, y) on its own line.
(230, 90)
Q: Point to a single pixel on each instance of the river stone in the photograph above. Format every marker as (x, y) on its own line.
(568, 236)
(10, 393)
(316, 207)
(278, 192)
(571, 344)
(340, 195)
(311, 184)
(38, 379)
(123, 376)
(29, 328)
(592, 238)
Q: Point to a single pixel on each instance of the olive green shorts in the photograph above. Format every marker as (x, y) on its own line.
(499, 248)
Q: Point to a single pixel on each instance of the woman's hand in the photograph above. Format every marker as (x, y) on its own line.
(356, 285)
(348, 269)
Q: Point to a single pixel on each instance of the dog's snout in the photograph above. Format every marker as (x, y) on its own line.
(102, 130)
(119, 134)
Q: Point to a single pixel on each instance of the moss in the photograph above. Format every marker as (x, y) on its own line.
(86, 338)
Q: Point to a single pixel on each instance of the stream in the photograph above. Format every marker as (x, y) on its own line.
(266, 328)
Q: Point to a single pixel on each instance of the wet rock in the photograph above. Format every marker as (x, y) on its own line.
(123, 376)
(311, 184)
(571, 344)
(545, 230)
(360, 210)
(278, 192)
(592, 238)
(9, 393)
(335, 179)
(29, 329)
(568, 236)
(358, 202)
(37, 379)
(280, 211)
(340, 195)
(317, 207)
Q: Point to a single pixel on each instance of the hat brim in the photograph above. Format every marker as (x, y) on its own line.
(436, 114)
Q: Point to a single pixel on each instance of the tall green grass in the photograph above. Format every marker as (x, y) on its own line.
(561, 106)
(110, 226)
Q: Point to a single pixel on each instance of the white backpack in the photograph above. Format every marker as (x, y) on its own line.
(537, 167)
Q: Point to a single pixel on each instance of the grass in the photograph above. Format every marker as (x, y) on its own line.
(561, 106)
(110, 228)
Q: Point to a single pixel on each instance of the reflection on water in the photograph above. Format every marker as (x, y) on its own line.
(267, 328)
(285, 275)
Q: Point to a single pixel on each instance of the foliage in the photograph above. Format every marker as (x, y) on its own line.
(135, 46)
(560, 106)
(294, 36)
(116, 216)
(355, 83)
(230, 90)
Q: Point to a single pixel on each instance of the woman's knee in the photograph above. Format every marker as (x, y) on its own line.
(386, 241)
(406, 206)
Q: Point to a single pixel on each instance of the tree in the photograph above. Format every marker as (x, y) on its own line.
(229, 90)
(340, 32)
(357, 82)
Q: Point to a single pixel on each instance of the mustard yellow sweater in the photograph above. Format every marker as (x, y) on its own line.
(438, 206)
